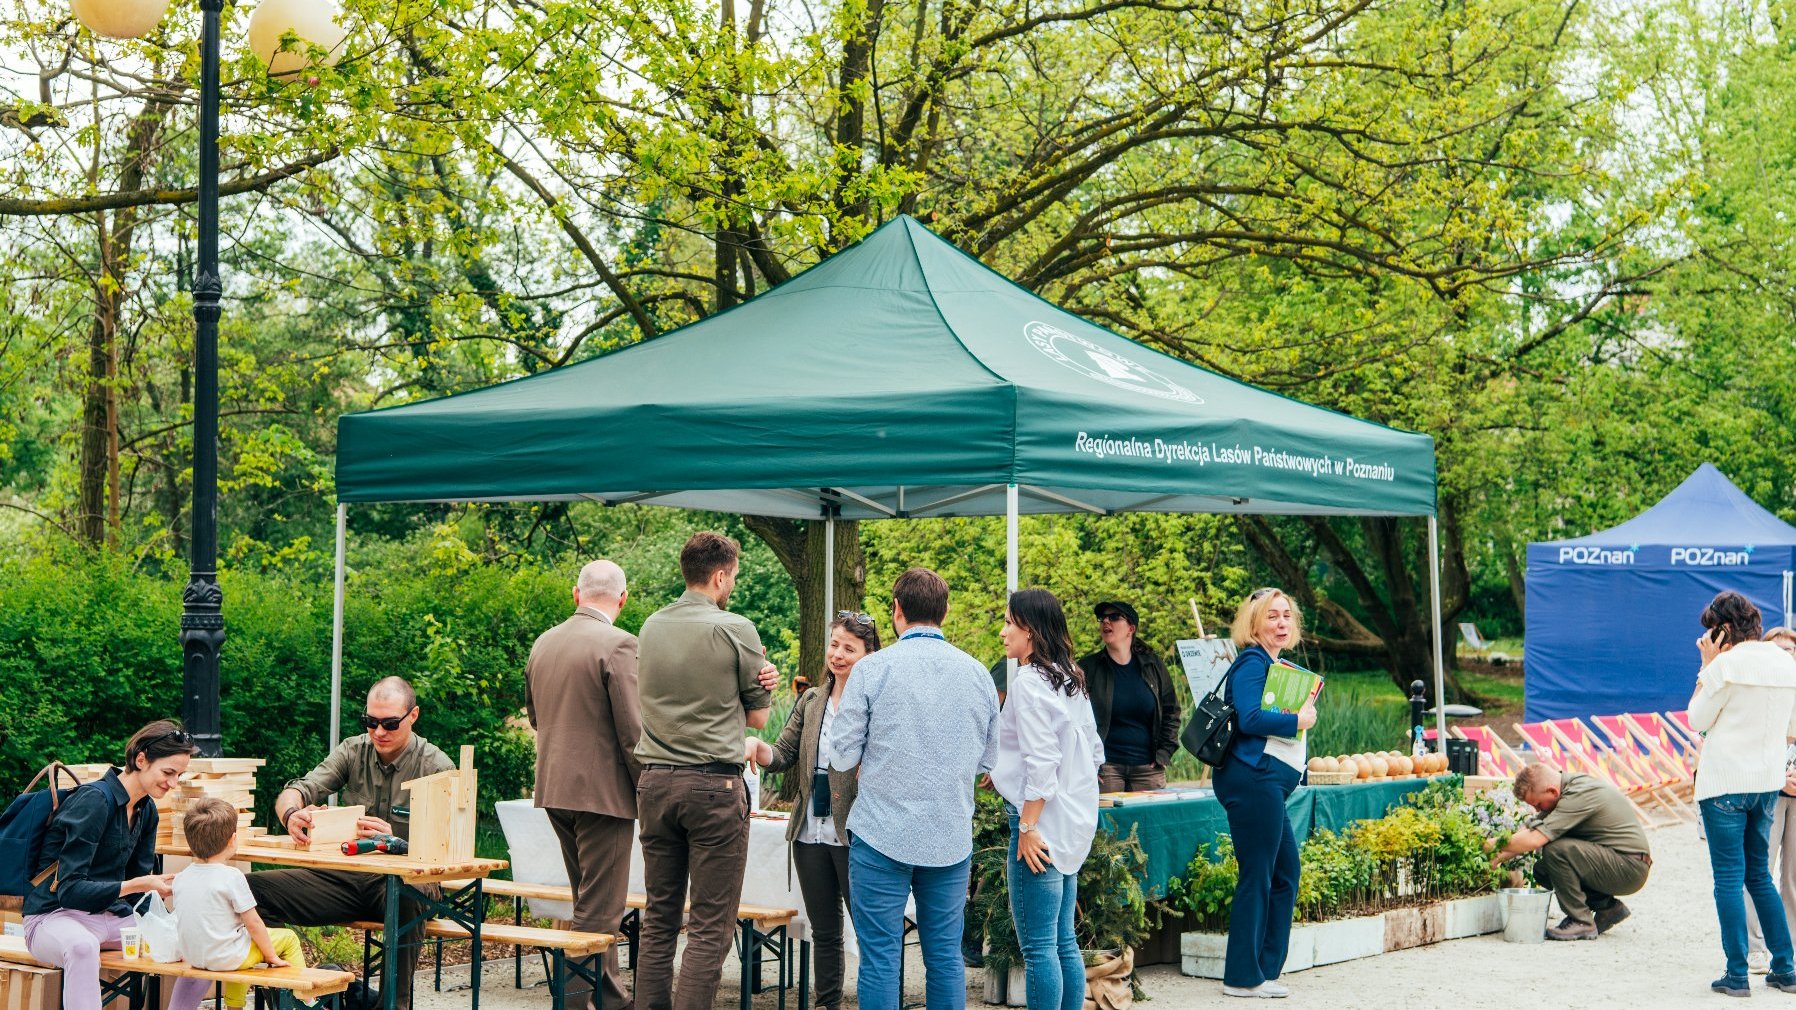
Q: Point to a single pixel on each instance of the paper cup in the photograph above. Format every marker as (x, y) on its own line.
(131, 939)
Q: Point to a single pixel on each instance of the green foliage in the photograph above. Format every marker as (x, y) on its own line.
(88, 653)
(1435, 846)
(1207, 889)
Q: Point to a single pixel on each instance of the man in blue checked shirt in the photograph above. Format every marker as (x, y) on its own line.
(920, 720)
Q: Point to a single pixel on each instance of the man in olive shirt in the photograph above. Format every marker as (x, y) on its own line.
(697, 670)
(1592, 847)
(364, 770)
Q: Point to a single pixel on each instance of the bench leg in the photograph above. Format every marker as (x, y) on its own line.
(438, 945)
(804, 974)
(517, 952)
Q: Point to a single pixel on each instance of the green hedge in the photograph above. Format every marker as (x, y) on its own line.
(89, 652)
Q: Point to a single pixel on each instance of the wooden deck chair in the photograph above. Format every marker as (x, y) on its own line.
(1495, 756)
(1639, 781)
(1649, 754)
(1679, 723)
(1654, 731)
(1545, 747)
(1474, 641)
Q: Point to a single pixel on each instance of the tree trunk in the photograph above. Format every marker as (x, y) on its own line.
(799, 546)
(97, 483)
(1394, 612)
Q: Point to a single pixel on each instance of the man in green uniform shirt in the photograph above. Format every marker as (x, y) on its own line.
(364, 770)
(1592, 847)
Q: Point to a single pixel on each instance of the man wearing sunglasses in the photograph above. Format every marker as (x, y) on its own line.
(364, 770)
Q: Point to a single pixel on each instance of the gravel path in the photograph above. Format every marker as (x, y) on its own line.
(1662, 958)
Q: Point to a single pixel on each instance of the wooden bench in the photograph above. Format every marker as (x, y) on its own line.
(568, 950)
(305, 983)
(761, 930)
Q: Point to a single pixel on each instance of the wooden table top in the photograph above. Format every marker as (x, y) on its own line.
(279, 850)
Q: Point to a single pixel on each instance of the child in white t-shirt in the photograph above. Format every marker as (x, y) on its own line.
(215, 913)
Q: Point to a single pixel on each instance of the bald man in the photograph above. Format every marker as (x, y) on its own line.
(580, 691)
(367, 770)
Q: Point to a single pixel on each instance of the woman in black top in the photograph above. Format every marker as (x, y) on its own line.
(1133, 700)
(99, 850)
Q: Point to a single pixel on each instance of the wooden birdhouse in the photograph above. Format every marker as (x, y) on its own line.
(442, 805)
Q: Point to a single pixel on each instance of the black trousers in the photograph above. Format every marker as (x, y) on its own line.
(1266, 850)
(823, 879)
(332, 897)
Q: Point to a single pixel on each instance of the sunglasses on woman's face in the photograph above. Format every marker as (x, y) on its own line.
(390, 725)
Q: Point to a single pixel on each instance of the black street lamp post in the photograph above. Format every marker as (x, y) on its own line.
(202, 602)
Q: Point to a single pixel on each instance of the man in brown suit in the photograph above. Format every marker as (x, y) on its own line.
(581, 691)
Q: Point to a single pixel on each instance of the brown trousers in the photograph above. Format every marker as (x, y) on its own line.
(1128, 778)
(596, 849)
(694, 828)
(332, 897)
(823, 879)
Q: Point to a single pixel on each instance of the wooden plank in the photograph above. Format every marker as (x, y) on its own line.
(279, 850)
(332, 826)
(308, 981)
(573, 941)
(225, 766)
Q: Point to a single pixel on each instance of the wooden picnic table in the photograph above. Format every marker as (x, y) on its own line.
(462, 902)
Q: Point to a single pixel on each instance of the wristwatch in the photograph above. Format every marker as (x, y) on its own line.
(1024, 827)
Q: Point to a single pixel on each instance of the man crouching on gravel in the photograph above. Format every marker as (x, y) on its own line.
(1591, 845)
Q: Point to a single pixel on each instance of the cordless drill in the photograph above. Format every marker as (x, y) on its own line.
(391, 844)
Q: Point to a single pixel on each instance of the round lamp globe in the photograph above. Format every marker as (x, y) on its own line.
(313, 21)
(119, 19)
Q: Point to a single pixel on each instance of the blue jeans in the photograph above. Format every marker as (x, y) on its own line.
(1738, 826)
(1041, 905)
(1266, 850)
(879, 887)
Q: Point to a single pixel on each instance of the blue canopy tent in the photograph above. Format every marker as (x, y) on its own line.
(1612, 617)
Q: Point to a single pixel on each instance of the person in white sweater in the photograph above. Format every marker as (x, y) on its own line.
(1745, 707)
(1047, 772)
(1783, 840)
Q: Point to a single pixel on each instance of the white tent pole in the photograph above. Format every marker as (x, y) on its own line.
(337, 629)
(1010, 565)
(1440, 665)
(1789, 577)
(829, 572)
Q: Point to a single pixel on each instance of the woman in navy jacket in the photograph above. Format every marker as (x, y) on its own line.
(1252, 784)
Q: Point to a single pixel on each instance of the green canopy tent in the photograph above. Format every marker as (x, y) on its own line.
(899, 378)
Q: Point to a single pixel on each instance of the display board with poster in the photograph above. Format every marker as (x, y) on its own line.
(1205, 661)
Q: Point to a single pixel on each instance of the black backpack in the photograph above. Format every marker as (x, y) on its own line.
(22, 829)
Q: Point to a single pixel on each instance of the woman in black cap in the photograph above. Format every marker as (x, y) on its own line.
(1132, 697)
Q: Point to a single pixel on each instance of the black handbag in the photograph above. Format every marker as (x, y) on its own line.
(1212, 727)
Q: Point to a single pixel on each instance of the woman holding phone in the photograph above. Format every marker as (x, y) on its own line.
(1261, 769)
(1745, 707)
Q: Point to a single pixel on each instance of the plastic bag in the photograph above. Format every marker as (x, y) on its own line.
(159, 932)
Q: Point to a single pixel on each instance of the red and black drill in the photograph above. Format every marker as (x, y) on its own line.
(392, 845)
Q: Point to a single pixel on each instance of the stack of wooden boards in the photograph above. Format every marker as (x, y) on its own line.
(230, 779)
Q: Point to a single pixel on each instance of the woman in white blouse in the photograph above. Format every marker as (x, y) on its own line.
(1047, 772)
(816, 831)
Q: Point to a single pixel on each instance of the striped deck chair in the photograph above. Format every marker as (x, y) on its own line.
(1679, 723)
(1654, 731)
(1553, 745)
(1637, 780)
(1648, 754)
(1495, 757)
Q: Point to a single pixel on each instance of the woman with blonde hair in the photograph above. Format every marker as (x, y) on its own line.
(1262, 767)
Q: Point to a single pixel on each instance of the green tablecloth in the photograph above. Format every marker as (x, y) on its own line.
(1171, 831)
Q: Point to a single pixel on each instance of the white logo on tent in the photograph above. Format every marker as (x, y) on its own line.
(1104, 365)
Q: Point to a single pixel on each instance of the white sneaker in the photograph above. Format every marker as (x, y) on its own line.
(1265, 990)
(1758, 962)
